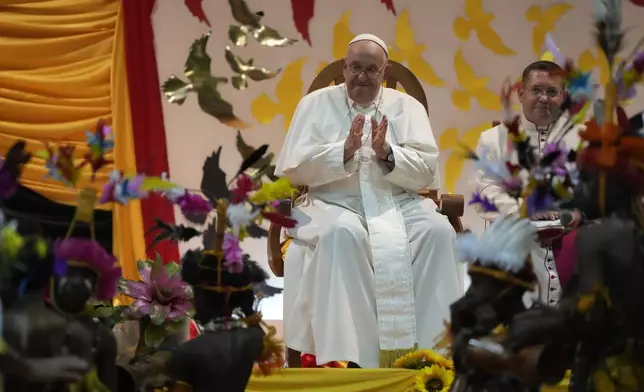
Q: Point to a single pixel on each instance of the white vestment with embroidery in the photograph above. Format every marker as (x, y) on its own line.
(371, 266)
(494, 143)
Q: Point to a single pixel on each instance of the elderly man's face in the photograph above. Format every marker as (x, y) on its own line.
(365, 69)
(541, 96)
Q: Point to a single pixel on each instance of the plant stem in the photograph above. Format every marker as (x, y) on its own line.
(141, 347)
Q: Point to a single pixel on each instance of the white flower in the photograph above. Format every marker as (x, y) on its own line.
(240, 215)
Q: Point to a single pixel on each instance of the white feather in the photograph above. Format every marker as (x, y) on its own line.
(506, 244)
(493, 169)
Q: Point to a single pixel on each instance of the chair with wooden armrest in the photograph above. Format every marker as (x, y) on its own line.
(450, 205)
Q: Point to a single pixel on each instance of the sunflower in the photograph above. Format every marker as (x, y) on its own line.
(421, 359)
(434, 379)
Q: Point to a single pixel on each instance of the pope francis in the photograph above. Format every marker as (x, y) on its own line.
(370, 273)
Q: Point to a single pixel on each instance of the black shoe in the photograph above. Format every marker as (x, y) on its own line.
(353, 365)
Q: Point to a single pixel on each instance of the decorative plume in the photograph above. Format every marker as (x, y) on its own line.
(608, 21)
(504, 245)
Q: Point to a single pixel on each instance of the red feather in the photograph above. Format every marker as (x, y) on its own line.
(280, 219)
(196, 9)
(390, 5)
(302, 15)
(638, 2)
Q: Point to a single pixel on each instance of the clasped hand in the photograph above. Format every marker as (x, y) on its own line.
(378, 137)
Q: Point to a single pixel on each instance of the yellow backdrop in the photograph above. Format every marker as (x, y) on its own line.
(64, 69)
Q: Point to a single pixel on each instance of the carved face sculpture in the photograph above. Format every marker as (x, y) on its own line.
(500, 298)
(73, 290)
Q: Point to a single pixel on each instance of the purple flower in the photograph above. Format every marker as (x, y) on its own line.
(160, 294)
(558, 164)
(193, 204)
(232, 254)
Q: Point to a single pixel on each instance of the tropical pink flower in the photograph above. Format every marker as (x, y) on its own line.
(161, 294)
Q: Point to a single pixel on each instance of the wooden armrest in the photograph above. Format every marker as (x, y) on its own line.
(448, 204)
(274, 250)
(274, 241)
(452, 205)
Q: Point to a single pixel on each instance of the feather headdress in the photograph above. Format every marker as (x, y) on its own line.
(505, 245)
(614, 145)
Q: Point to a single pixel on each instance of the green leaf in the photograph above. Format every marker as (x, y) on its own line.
(103, 312)
(172, 268)
(154, 335)
(157, 268)
(120, 308)
(174, 326)
(141, 264)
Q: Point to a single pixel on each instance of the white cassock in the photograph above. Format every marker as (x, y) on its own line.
(370, 273)
(494, 143)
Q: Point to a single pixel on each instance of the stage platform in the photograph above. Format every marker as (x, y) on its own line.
(345, 380)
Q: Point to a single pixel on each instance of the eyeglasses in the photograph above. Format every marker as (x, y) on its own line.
(372, 71)
(550, 92)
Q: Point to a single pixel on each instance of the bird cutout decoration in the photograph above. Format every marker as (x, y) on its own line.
(169, 232)
(246, 70)
(545, 19)
(263, 165)
(303, 11)
(589, 62)
(639, 3)
(458, 146)
(251, 159)
(196, 9)
(11, 168)
(473, 87)
(258, 278)
(213, 180)
(479, 21)
(342, 35)
(204, 84)
(288, 92)
(390, 5)
(406, 50)
(249, 24)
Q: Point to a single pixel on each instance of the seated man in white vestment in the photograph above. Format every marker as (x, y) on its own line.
(370, 273)
(541, 93)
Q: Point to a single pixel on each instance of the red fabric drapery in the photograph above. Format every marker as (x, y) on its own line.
(147, 115)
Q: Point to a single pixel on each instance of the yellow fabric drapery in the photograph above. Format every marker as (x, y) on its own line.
(55, 80)
(129, 240)
(345, 380)
(63, 68)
